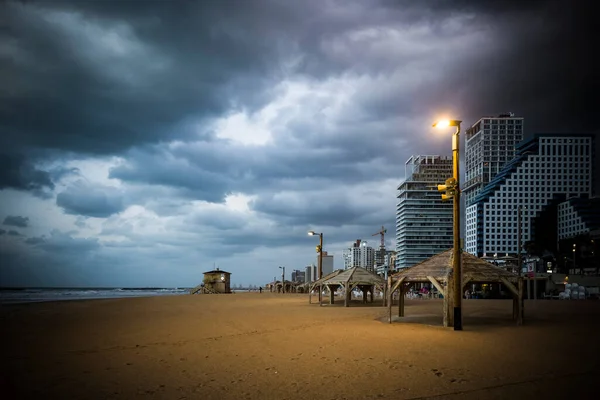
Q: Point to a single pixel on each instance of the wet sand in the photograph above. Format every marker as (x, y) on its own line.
(270, 346)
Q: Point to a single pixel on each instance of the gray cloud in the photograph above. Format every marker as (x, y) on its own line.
(2, 232)
(13, 233)
(16, 220)
(16, 172)
(34, 240)
(93, 201)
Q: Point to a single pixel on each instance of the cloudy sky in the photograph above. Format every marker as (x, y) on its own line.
(143, 142)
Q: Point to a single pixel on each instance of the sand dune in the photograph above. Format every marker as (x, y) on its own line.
(269, 346)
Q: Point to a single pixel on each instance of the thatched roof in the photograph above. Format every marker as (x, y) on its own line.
(440, 267)
(355, 275)
(326, 277)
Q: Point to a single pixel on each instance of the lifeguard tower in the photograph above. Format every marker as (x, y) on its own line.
(214, 282)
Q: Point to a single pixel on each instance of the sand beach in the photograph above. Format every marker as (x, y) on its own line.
(274, 346)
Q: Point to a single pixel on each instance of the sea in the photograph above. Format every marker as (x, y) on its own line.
(35, 295)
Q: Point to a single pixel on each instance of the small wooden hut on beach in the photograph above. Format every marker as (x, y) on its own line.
(351, 279)
(214, 282)
(438, 271)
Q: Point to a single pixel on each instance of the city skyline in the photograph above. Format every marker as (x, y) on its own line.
(142, 145)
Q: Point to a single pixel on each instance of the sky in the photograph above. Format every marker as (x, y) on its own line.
(145, 142)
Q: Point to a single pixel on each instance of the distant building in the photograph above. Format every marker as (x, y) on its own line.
(327, 263)
(310, 273)
(423, 220)
(389, 262)
(360, 255)
(298, 276)
(578, 216)
(489, 145)
(549, 169)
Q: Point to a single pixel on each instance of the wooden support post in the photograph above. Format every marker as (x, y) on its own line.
(401, 292)
(449, 304)
(310, 289)
(331, 294)
(320, 295)
(437, 285)
(372, 293)
(390, 296)
(346, 294)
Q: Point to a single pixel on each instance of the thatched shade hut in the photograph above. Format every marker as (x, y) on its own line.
(319, 283)
(438, 271)
(352, 278)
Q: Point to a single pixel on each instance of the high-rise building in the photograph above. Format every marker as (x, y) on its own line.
(489, 145)
(327, 263)
(423, 220)
(578, 216)
(360, 255)
(298, 276)
(389, 260)
(548, 170)
(310, 273)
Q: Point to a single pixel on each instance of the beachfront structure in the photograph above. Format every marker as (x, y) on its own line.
(548, 169)
(489, 145)
(423, 220)
(438, 271)
(359, 255)
(350, 279)
(214, 282)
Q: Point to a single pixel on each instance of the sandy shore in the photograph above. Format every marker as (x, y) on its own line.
(268, 346)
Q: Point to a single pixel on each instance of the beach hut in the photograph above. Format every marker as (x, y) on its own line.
(214, 282)
(351, 279)
(438, 271)
(318, 284)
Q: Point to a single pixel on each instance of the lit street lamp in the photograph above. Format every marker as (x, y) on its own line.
(452, 189)
(574, 258)
(282, 279)
(320, 251)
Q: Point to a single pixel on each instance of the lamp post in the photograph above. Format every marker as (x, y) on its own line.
(452, 189)
(282, 279)
(574, 258)
(320, 251)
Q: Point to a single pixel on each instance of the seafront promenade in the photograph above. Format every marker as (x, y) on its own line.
(273, 346)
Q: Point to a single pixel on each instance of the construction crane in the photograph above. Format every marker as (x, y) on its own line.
(382, 233)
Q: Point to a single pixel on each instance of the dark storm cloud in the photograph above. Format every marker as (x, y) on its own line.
(117, 75)
(13, 233)
(81, 198)
(2, 232)
(16, 220)
(16, 172)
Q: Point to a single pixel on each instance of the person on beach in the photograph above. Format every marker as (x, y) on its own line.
(260, 289)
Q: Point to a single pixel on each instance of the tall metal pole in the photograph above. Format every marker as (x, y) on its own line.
(519, 265)
(320, 265)
(282, 279)
(456, 251)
